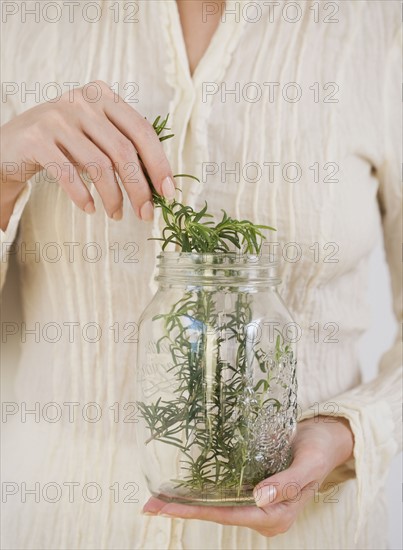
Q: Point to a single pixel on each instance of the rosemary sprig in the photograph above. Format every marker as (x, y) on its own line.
(195, 231)
(213, 414)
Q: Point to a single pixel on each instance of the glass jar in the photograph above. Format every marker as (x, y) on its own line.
(216, 378)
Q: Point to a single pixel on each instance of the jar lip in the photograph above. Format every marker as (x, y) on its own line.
(218, 268)
(206, 257)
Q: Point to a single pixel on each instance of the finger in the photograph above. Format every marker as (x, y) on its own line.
(247, 516)
(60, 169)
(147, 144)
(269, 522)
(125, 161)
(290, 508)
(286, 485)
(99, 168)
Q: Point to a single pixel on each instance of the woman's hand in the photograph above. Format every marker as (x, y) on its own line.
(320, 445)
(90, 129)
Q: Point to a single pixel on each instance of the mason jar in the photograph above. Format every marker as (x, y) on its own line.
(216, 378)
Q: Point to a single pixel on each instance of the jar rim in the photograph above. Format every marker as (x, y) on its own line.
(268, 258)
(218, 267)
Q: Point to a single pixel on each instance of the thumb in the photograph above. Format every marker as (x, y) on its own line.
(286, 485)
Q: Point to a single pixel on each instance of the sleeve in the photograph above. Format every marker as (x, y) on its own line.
(7, 237)
(374, 408)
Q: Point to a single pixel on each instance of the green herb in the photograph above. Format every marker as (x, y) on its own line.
(213, 416)
(195, 231)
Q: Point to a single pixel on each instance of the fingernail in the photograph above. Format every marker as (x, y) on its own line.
(118, 215)
(264, 495)
(150, 510)
(147, 211)
(89, 208)
(168, 188)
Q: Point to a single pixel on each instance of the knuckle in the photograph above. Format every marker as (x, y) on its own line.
(99, 167)
(133, 170)
(148, 130)
(281, 529)
(104, 87)
(69, 97)
(66, 173)
(125, 149)
(55, 117)
(65, 180)
(90, 96)
(103, 163)
(33, 135)
(161, 164)
(284, 525)
(82, 103)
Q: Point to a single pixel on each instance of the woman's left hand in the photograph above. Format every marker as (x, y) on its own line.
(321, 444)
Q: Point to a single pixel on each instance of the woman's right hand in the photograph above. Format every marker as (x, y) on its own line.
(99, 136)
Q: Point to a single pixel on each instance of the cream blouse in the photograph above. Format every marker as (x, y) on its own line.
(290, 119)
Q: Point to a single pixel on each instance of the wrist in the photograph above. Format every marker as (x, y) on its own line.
(342, 437)
(336, 435)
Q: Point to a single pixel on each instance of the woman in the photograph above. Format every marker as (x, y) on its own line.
(263, 85)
